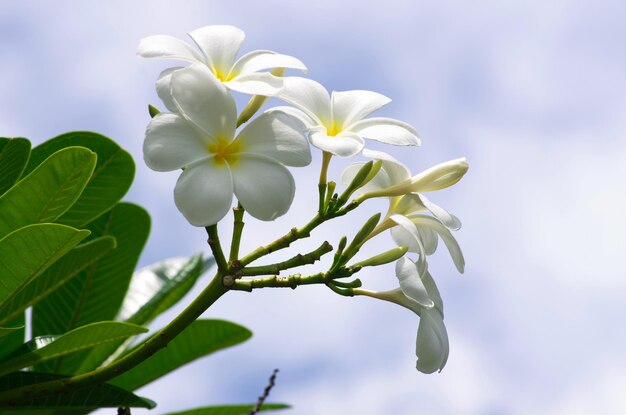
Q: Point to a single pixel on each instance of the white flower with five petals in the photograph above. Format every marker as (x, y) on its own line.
(337, 122)
(219, 46)
(200, 138)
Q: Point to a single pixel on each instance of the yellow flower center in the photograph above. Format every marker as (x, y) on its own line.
(225, 151)
(334, 129)
(223, 74)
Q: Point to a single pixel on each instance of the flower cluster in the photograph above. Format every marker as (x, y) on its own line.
(223, 153)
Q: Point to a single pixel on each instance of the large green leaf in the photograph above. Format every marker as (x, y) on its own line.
(201, 338)
(49, 191)
(11, 341)
(67, 267)
(110, 180)
(42, 349)
(153, 290)
(14, 154)
(91, 397)
(96, 294)
(27, 252)
(231, 409)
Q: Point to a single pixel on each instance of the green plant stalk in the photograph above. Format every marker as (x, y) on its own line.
(326, 157)
(294, 234)
(216, 248)
(238, 225)
(207, 297)
(330, 191)
(296, 261)
(292, 281)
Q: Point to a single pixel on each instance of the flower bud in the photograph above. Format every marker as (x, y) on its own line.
(383, 258)
(438, 177)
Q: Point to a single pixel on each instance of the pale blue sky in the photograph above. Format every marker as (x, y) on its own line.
(534, 94)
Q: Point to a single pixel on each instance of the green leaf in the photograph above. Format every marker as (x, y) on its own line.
(41, 349)
(153, 290)
(4, 331)
(109, 182)
(27, 252)
(49, 191)
(14, 153)
(11, 341)
(64, 269)
(200, 338)
(231, 409)
(96, 294)
(88, 398)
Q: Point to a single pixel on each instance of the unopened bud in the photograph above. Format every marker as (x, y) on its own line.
(383, 258)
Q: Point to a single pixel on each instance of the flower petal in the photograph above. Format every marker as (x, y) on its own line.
(164, 88)
(172, 142)
(406, 234)
(309, 96)
(220, 45)
(432, 347)
(396, 171)
(256, 83)
(204, 193)
(433, 291)
(204, 101)
(259, 60)
(342, 145)
(279, 136)
(386, 130)
(409, 203)
(445, 234)
(263, 186)
(429, 239)
(411, 283)
(295, 112)
(167, 47)
(448, 219)
(349, 107)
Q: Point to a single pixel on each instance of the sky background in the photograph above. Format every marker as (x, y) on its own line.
(533, 93)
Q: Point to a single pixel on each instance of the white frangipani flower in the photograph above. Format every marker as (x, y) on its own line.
(418, 293)
(219, 46)
(200, 138)
(337, 122)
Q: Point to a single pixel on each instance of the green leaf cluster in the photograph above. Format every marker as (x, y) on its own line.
(68, 252)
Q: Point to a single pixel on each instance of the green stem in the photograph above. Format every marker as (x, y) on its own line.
(216, 248)
(274, 281)
(238, 225)
(326, 157)
(294, 234)
(292, 281)
(296, 261)
(207, 297)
